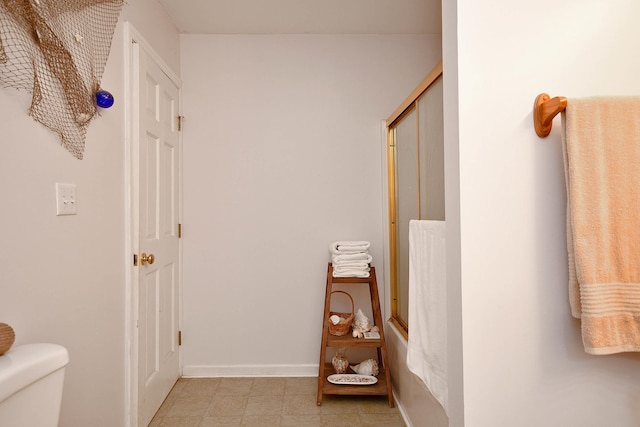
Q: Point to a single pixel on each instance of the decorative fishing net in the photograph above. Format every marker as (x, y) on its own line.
(57, 50)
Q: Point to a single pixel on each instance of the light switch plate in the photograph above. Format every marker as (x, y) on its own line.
(65, 199)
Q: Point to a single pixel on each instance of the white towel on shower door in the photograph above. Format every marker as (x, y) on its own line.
(427, 346)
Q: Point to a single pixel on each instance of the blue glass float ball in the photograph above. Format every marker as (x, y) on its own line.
(104, 99)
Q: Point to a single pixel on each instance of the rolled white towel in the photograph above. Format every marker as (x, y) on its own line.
(349, 247)
(351, 273)
(357, 257)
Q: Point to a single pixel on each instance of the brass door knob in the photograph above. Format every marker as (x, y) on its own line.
(144, 258)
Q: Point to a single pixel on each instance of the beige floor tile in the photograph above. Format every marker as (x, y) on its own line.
(235, 386)
(200, 387)
(223, 405)
(271, 386)
(268, 402)
(166, 405)
(340, 420)
(304, 404)
(301, 421)
(374, 405)
(382, 420)
(264, 405)
(301, 385)
(180, 422)
(179, 385)
(189, 406)
(220, 421)
(339, 405)
(261, 421)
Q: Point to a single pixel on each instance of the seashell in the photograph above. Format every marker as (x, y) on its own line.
(361, 322)
(367, 367)
(357, 334)
(340, 362)
(375, 329)
(335, 319)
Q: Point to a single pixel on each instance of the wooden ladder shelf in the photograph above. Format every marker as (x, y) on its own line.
(383, 386)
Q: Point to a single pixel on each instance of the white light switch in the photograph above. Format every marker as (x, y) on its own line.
(65, 199)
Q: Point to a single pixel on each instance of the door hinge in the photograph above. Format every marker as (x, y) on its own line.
(135, 260)
(179, 231)
(180, 122)
(179, 337)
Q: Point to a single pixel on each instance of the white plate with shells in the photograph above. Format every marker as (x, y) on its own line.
(352, 379)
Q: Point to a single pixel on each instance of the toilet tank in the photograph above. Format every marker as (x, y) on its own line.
(31, 381)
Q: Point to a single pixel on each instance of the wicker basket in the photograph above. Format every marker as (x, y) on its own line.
(7, 337)
(343, 326)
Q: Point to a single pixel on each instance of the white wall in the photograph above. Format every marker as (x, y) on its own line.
(151, 20)
(62, 278)
(523, 359)
(281, 158)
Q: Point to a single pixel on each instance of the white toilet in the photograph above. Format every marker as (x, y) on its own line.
(31, 380)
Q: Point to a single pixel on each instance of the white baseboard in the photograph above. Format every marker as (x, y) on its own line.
(208, 371)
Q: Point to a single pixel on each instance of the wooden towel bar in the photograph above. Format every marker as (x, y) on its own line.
(545, 109)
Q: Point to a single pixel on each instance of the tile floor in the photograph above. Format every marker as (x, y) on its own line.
(206, 402)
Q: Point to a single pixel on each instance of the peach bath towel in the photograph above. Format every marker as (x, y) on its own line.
(601, 146)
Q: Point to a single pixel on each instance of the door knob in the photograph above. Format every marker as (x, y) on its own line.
(144, 258)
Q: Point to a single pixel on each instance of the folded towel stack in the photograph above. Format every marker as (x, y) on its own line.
(350, 258)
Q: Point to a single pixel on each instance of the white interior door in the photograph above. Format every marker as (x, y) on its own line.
(157, 148)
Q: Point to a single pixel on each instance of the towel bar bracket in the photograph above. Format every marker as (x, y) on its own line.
(545, 109)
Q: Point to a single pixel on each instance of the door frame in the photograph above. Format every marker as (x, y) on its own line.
(131, 36)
